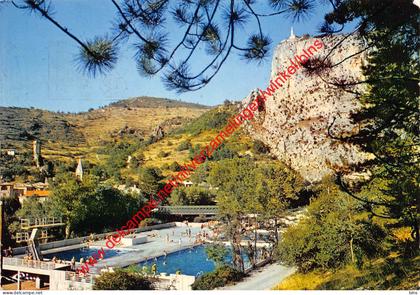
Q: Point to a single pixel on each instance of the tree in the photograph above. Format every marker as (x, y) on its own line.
(149, 180)
(217, 253)
(192, 196)
(390, 104)
(201, 173)
(334, 232)
(236, 183)
(67, 193)
(276, 188)
(89, 206)
(211, 26)
(121, 280)
(10, 206)
(33, 208)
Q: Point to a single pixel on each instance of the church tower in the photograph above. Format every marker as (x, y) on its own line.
(292, 34)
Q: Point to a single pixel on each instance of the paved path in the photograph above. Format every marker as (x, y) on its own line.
(264, 278)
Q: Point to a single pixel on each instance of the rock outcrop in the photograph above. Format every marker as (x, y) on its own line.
(296, 119)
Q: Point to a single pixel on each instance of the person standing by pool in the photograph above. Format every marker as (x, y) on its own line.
(180, 241)
(73, 263)
(167, 238)
(154, 268)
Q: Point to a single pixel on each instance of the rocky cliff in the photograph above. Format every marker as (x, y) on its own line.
(296, 118)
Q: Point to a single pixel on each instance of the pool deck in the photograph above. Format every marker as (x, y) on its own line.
(154, 247)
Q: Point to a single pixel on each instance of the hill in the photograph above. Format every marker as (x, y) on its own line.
(68, 135)
(155, 102)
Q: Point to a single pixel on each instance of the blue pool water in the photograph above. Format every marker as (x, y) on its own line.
(188, 261)
(83, 252)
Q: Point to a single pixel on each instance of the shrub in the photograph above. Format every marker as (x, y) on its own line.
(163, 154)
(121, 280)
(260, 148)
(220, 277)
(175, 166)
(223, 152)
(184, 145)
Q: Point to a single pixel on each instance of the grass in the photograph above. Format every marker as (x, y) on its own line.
(392, 272)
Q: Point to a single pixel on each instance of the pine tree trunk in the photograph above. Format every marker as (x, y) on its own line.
(68, 231)
(236, 247)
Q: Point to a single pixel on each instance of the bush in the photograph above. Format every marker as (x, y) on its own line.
(223, 152)
(220, 277)
(260, 148)
(121, 280)
(175, 166)
(163, 154)
(184, 145)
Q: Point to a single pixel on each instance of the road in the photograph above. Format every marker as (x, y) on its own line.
(264, 278)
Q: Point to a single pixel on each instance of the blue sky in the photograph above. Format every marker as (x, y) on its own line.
(37, 66)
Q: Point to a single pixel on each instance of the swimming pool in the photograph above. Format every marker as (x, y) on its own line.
(83, 252)
(189, 261)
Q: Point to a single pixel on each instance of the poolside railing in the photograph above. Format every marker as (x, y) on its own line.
(13, 261)
(26, 223)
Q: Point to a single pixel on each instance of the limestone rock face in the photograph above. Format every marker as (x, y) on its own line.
(296, 118)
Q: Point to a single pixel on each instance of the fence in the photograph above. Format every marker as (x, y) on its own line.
(12, 261)
(27, 223)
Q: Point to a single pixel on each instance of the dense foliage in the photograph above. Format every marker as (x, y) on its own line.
(213, 119)
(390, 107)
(247, 188)
(333, 233)
(217, 253)
(220, 277)
(10, 206)
(122, 280)
(90, 206)
(193, 195)
(184, 145)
